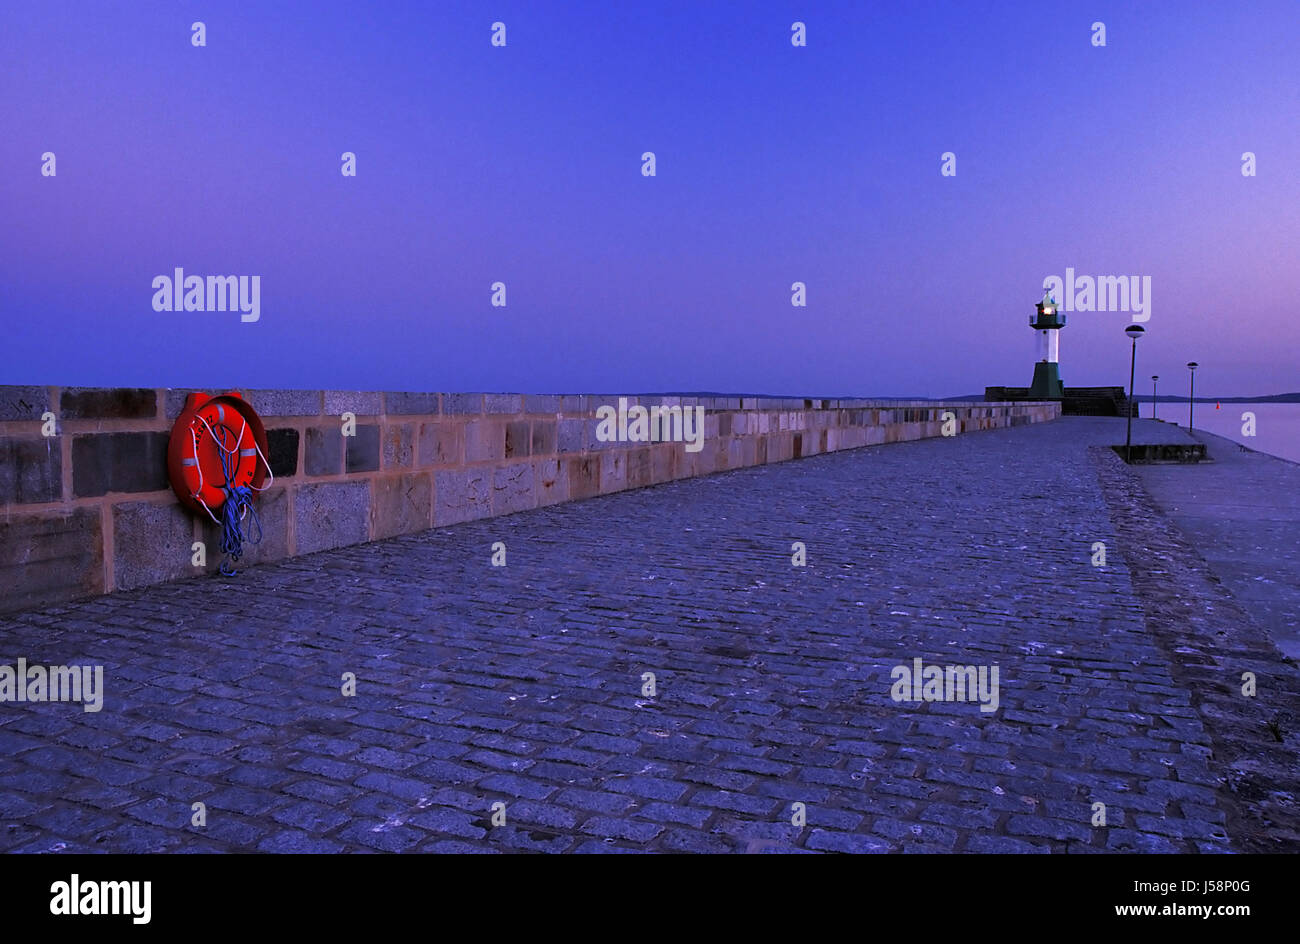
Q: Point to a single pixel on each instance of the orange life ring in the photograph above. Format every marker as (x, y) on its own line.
(194, 463)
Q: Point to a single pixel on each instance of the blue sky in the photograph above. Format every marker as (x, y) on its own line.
(522, 164)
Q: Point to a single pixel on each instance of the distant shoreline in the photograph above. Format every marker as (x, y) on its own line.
(1162, 398)
(1275, 398)
(979, 397)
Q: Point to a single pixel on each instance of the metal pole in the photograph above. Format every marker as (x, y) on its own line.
(1191, 401)
(1128, 438)
(1153, 398)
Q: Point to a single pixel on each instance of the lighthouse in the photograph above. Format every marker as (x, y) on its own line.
(1047, 372)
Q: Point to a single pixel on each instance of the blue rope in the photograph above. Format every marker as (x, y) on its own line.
(239, 499)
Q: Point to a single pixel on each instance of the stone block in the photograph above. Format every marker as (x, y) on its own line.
(399, 445)
(362, 450)
(686, 464)
(663, 463)
(584, 476)
(613, 471)
(273, 512)
(503, 403)
(772, 442)
(331, 514)
(571, 435)
(485, 441)
(462, 495)
(31, 470)
(640, 470)
(518, 439)
(272, 508)
(543, 437)
(358, 402)
(551, 481)
(595, 428)
(411, 403)
(400, 403)
(324, 451)
(749, 449)
(152, 543)
(512, 488)
(108, 403)
(282, 452)
(50, 557)
(442, 443)
(118, 462)
(285, 402)
(174, 399)
(462, 403)
(403, 504)
(24, 403)
(542, 403)
(716, 458)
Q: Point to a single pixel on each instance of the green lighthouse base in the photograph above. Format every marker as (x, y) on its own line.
(1047, 382)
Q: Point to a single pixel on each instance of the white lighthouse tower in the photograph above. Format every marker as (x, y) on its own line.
(1047, 371)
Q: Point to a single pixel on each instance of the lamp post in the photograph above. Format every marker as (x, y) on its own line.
(1154, 378)
(1134, 331)
(1191, 393)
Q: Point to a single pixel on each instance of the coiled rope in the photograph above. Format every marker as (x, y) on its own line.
(239, 498)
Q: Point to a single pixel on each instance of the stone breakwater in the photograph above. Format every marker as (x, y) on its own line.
(85, 506)
(772, 725)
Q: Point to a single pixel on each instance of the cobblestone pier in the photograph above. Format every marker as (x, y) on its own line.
(523, 685)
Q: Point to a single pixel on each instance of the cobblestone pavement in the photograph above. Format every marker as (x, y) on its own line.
(524, 684)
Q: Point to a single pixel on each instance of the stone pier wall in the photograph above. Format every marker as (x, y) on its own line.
(85, 506)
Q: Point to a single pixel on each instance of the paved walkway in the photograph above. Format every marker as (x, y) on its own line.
(1243, 512)
(523, 685)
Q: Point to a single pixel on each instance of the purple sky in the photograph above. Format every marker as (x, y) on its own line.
(522, 164)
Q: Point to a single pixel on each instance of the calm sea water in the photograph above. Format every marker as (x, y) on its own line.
(1277, 425)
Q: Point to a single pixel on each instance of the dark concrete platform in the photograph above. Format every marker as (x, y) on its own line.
(1243, 513)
